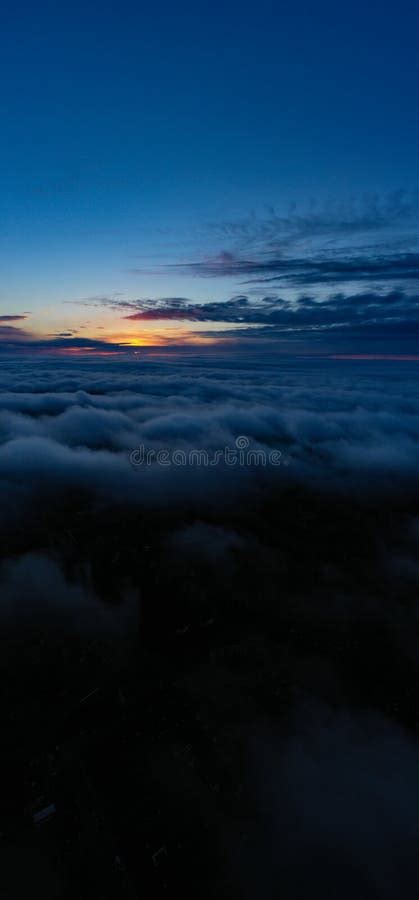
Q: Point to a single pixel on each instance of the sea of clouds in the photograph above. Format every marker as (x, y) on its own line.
(331, 536)
(349, 426)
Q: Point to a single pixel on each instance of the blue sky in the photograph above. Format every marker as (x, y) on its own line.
(135, 140)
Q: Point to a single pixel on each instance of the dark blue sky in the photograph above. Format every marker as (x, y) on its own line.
(138, 136)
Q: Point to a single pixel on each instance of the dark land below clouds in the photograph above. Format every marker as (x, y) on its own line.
(210, 678)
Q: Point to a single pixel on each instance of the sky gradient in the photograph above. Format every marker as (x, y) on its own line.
(229, 174)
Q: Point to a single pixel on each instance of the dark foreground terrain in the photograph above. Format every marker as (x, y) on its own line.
(209, 688)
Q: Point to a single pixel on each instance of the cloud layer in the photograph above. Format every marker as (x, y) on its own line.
(263, 617)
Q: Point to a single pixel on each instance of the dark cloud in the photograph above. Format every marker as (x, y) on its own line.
(119, 304)
(12, 318)
(331, 794)
(61, 334)
(17, 341)
(273, 309)
(397, 210)
(11, 334)
(233, 310)
(35, 590)
(306, 311)
(341, 322)
(307, 271)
